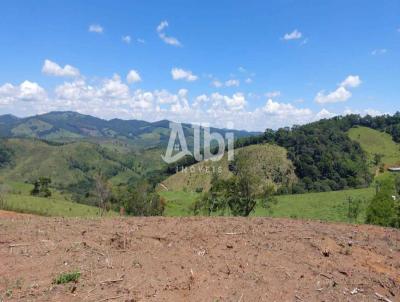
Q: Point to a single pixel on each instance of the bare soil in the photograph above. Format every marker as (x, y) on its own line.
(197, 259)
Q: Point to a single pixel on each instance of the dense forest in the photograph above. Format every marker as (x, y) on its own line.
(5, 155)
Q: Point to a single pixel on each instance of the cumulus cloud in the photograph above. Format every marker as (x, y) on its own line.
(273, 94)
(112, 97)
(224, 102)
(368, 111)
(163, 36)
(351, 81)
(232, 83)
(283, 109)
(126, 39)
(53, 69)
(133, 76)
(294, 35)
(217, 84)
(26, 92)
(324, 114)
(96, 28)
(181, 74)
(341, 94)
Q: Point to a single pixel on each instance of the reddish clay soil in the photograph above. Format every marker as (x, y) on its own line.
(9, 214)
(197, 259)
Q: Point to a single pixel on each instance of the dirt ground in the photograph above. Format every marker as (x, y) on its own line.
(196, 259)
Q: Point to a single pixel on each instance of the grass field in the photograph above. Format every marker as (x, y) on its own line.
(19, 200)
(376, 142)
(49, 207)
(329, 206)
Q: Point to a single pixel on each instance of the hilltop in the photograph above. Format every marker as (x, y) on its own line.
(268, 162)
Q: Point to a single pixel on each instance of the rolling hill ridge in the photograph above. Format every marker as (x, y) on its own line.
(71, 126)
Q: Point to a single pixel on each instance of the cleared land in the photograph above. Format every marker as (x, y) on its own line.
(196, 259)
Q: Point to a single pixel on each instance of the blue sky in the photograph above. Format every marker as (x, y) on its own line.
(246, 64)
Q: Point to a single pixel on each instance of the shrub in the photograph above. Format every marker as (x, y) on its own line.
(41, 187)
(141, 200)
(67, 277)
(382, 208)
(354, 208)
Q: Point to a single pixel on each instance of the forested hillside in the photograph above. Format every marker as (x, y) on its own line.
(324, 156)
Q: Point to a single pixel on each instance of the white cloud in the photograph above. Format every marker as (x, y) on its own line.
(26, 92)
(96, 28)
(52, 68)
(200, 100)
(294, 35)
(283, 109)
(379, 51)
(114, 88)
(248, 81)
(232, 82)
(324, 114)
(141, 41)
(373, 112)
(162, 26)
(217, 84)
(273, 94)
(368, 111)
(181, 74)
(163, 36)
(236, 102)
(133, 76)
(341, 94)
(126, 39)
(351, 81)
(110, 98)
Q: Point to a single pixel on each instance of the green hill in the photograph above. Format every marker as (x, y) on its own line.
(69, 166)
(19, 200)
(266, 161)
(71, 126)
(376, 142)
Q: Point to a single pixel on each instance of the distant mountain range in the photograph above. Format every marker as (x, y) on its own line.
(71, 126)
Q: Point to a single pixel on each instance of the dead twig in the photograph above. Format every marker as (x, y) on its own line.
(110, 298)
(241, 233)
(18, 245)
(382, 298)
(326, 276)
(112, 281)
